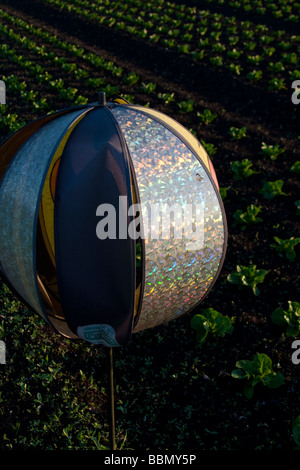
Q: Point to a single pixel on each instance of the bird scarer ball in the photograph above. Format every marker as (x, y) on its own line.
(111, 221)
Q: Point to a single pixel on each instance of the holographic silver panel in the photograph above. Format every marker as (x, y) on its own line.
(182, 257)
(19, 204)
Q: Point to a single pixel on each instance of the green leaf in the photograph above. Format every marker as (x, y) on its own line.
(248, 391)
(275, 380)
(242, 169)
(256, 290)
(197, 323)
(238, 374)
(223, 325)
(295, 168)
(277, 317)
(293, 330)
(234, 278)
(246, 365)
(296, 431)
(262, 364)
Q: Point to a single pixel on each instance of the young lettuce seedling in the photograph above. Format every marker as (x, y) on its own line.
(286, 247)
(272, 188)
(249, 217)
(259, 370)
(210, 322)
(242, 169)
(289, 318)
(271, 151)
(248, 276)
(296, 432)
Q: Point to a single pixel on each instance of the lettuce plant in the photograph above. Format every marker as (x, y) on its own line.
(167, 97)
(295, 168)
(269, 51)
(249, 45)
(272, 188)
(183, 48)
(186, 106)
(148, 87)
(234, 53)
(276, 83)
(271, 151)
(235, 68)
(237, 133)
(207, 116)
(249, 217)
(294, 74)
(217, 61)
(248, 276)
(276, 67)
(289, 318)
(210, 322)
(254, 75)
(131, 79)
(11, 121)
(286, 247)
(242, 169)
(254, 59)
(259, 370)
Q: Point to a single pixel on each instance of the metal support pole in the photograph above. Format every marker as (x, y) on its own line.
(112, 401)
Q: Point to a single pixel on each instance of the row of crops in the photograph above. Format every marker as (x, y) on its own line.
(285, 10)
(184, 393)
(255, 52)
(62, 57)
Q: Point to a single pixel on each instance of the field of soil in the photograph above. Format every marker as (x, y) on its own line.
(170, 393)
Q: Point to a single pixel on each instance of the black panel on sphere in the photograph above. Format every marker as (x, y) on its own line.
(96, 277)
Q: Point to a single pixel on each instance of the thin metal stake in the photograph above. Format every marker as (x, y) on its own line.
(112, 402)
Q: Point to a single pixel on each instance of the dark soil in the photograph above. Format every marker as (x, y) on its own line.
(224, 419)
